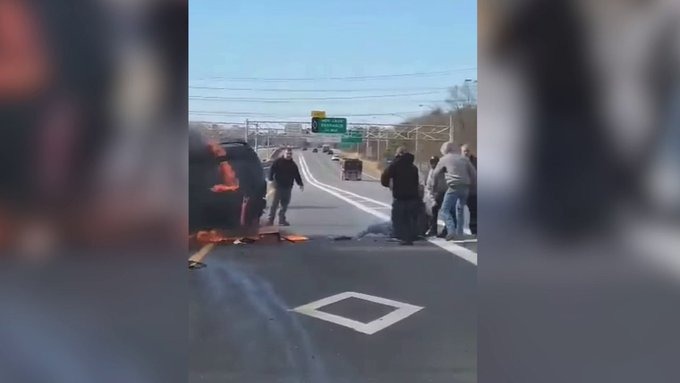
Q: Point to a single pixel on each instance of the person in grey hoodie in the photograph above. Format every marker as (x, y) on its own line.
(460, 175)
(435, 188)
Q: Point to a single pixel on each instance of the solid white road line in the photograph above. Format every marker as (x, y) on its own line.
(451, 247)
(380, 203)
(312, 181)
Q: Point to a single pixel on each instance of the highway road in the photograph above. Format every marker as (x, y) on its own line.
(328, 311)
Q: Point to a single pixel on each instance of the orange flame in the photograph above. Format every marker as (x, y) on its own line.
(212, 236)
(216, 149)
(223, 188)
(229, 180)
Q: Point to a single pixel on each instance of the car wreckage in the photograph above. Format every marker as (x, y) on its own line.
(227, 186)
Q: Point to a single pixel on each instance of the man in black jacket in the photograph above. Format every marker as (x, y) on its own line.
(402, 177)
(282, 174)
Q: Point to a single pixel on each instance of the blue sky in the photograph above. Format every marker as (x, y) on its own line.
(265, 55)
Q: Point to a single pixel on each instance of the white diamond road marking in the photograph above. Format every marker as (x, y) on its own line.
(403, 311)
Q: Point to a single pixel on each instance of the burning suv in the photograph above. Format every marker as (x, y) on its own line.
(227, 187)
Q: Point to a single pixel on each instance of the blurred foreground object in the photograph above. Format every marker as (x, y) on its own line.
(579, 189)
(73, 150)
(594, 114)
(93, 192)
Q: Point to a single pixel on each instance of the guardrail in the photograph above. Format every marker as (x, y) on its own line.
(275, 154)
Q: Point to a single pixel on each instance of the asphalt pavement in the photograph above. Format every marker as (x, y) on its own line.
(332, 311)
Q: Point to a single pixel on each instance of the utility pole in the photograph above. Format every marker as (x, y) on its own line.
(366, 133)
(257, 135)
(246, 133)
(451, 126)
(416, 150)
(378, 150)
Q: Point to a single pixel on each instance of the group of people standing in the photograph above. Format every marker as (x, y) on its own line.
(449, 188)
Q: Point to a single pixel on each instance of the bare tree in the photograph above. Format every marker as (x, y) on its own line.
(464, 95)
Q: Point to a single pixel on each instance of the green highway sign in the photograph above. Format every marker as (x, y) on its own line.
(329, 125)
(352, 137)
(351, 140)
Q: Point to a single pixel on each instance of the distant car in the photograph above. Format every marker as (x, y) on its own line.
(335, 157)
(330, 152)
(315, 150)
(304, 148)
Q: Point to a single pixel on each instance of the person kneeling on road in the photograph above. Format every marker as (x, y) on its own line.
(402, 175)
(282, 174)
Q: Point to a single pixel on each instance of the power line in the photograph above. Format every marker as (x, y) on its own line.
(283, 102)
(319, 90)
(217, 113)
(239, 100)
(347, 78)
(276, 100)
(396, 114)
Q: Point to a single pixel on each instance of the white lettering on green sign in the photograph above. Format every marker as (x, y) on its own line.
(329, 125)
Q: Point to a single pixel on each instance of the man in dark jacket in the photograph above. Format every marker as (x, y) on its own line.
(402, 177)
(472, 198)
(282, 174)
